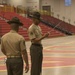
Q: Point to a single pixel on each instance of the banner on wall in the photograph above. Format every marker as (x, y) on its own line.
(67, 2)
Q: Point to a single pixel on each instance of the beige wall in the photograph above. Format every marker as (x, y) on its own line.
(3, 1)
(26, 3)
(58, 7)
(0, 1)
(34, 4)
(17, 2)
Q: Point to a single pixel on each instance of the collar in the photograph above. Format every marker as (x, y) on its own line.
(35, 25)
(13, 31)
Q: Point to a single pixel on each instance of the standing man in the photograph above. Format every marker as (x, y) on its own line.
(36, 48)
(13, 47)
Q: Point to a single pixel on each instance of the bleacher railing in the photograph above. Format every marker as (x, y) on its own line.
(6, 8)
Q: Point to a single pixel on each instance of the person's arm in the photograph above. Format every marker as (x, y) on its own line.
(3, 51)
(39, 39)
(24, 54)
(32, 36)
(25, 58)
(2, 48)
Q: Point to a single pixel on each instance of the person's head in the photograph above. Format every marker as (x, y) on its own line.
(36, 18)
(15, 23)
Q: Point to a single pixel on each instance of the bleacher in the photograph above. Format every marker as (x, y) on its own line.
(53, 32)
(4, 27)
(55, 21)
(27, 22)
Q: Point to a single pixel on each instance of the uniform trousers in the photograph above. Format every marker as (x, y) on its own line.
(36, 59)
(14, 66)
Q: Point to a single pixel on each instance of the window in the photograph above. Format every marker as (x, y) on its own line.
(67, 2)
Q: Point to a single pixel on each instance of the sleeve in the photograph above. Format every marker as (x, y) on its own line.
(22, 44)
(31, 34)
(40, 30)
(2, 46)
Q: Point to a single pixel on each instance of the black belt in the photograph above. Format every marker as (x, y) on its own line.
(36, 44)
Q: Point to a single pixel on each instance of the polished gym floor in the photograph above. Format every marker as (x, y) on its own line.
(58, 53)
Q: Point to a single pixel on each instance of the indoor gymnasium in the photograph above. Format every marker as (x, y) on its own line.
(56, 33)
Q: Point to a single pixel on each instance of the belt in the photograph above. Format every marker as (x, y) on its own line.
(36, 44)
(14, 57)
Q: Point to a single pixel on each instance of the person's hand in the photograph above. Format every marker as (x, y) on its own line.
(46, 35)
(26, 68)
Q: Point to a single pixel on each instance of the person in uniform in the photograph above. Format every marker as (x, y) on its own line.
(36, 48)
(14, 48)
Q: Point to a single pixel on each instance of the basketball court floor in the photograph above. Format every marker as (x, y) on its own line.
(58, 53)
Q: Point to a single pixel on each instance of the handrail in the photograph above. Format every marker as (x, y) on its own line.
(57, 27)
